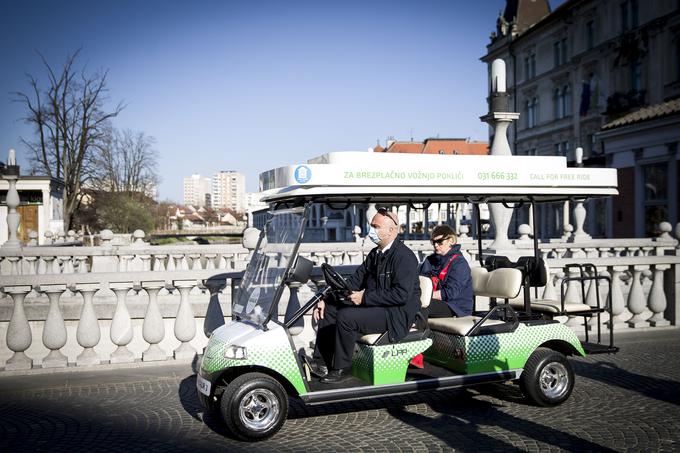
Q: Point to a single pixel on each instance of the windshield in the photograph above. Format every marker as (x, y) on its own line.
(268, 265)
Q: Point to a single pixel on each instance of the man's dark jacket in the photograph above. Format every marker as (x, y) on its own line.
(390, 280)
(456, 289)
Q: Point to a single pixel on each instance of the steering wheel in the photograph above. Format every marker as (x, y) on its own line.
(333, 278)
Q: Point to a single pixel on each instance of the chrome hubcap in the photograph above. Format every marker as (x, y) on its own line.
(554, 380)
(259, 409)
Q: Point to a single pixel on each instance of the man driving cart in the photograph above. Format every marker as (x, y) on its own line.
(385, 297)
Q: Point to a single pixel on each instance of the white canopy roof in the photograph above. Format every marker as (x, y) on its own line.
(385, 177)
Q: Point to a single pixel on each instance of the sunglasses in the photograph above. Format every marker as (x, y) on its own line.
(386, 213)
(439, 241)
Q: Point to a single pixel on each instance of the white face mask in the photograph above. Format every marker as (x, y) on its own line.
(373, 235)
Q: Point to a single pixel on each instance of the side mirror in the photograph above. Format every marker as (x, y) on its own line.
(301, 271)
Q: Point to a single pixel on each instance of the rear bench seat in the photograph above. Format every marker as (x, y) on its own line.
(504, 283)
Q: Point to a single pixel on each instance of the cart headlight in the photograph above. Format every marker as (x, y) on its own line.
(235, 352)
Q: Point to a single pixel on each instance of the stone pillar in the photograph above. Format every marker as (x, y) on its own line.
(657, 297)
(19, 336)
(185, 325)
(54, 330)
(153, 329)
(121, 325)
(88, 333)
(619, 312)
(12, 201)
(214, 317)
(636, 298)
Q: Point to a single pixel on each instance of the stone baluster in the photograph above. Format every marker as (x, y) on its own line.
(647, 250)
(336, 258)
(210, 260)
(159, 262)
(180, 262)
(82, 264)
(618, 251)
(636, 298)
(214, 317)
(573, 294)
(32, 238)
(32, 264)
(54, 330)
(146, 262)
(61, 237)
(106, 238)
(121, 325)
(66, 264)
(153, 329)
(195, 261)
(123, 261)
(224, 261)
(549, 292)
(618, 309)
(49, 237)
(49, 264)
(559, 252)
(580, 219)
(19, 337)
(185, 325)
(591, 252)
(88, 333)
(14, 265)
(657, 297)
(71, 236)
(354, 257)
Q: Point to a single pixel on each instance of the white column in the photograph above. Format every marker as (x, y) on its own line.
(619, 311)
(121, 325)
(88, 333)
(185, 324)
(19, 336)
(636, 298)
(657, 298)
(153, 329)
(54, 330)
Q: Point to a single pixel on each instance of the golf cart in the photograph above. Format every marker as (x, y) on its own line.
(251, 366)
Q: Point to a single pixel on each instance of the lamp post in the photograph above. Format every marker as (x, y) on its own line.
(499, 117)
(11, 175)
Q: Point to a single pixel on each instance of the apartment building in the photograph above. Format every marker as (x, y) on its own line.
(603, 75)
(229, 191)
(197, 191)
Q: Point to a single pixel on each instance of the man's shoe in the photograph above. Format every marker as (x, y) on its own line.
(318, 368)
(335, 376)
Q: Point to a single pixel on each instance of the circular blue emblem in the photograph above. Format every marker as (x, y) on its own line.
(303, 174)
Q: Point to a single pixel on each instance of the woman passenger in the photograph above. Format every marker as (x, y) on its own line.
(450, 274)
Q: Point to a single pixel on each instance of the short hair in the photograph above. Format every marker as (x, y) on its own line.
(444, 230)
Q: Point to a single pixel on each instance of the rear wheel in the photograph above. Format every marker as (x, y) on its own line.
(254, 406)
(547, 379)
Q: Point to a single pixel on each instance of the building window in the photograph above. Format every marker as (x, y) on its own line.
(590, 34)
(561, 148)
(560, 51)
(635, 74)
(630, 14)
(531, 109)
(562, 102)
(530, 66)
(655, 179)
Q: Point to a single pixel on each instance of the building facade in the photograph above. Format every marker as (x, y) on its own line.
(229, 191)
(197, 191)
(575, 70)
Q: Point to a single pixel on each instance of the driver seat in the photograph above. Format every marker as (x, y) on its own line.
(415, 333)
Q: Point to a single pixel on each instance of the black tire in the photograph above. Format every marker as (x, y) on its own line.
(547, 379)
(254, 406)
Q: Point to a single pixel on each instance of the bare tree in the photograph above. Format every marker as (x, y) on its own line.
(70, 123)
(126, 162)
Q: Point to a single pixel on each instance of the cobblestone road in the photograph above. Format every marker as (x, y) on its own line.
(626, 402)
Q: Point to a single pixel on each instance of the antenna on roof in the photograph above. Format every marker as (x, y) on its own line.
(412, 134)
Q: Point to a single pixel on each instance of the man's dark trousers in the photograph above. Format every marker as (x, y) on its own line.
(341, 327)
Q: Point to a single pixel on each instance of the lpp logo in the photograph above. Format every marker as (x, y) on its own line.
(303, 174)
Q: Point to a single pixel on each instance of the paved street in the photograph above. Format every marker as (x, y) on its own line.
(627, 402)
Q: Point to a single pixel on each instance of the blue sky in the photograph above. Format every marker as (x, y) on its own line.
(253, 85)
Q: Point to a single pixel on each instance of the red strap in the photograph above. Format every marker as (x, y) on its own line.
(442, 273)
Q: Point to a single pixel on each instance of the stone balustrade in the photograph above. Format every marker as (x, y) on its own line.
(83, 306)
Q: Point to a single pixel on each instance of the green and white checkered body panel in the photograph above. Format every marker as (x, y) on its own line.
(268, 349)
(386, 364)
(503, 351)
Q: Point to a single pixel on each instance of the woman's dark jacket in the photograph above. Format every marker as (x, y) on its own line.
(390, 280)
(456, 289)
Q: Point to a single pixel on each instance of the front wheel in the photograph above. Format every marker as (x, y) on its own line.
(254, 406)
(547, 379)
